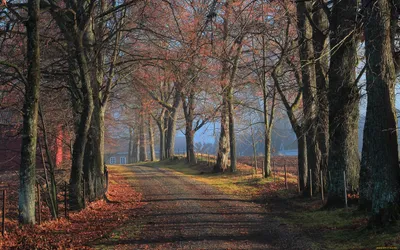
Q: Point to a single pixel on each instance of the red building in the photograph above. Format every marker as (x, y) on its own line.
(10, 144)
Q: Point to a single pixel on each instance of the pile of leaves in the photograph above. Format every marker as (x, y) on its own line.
(95, 221)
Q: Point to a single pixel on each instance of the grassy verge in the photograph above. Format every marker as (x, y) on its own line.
(336, 229)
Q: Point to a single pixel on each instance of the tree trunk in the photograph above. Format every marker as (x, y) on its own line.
(137, 147)
(343, 102)
(302, 161)
(232, 136)
(171, 130)
(267, 119)
(223, 144)
(188, 111)
(143, 141)
(76, 198)
(189, 134)
(130, 160)
(321, 49)
(306, 52)
(162, 140)
(380, 149)
(267, 157)
(151, 141)
(27, 172)
(51, 185)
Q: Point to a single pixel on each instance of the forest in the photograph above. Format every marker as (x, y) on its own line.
(75, 74)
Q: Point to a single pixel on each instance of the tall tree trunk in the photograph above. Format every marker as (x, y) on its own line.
(137, 147)
(232, 136)
(380, 149)
(190, 154)
(143, 141)
(223, 144)
(343, 102)
(302, 168)
(161, 130)
(306, 52)
(27, 172)
(51, 185)
(75, 194)
(171, 130)
(151, 141)
(130, 146)
(321, 49)
(188, 111)
(268, 124)
(268, 118)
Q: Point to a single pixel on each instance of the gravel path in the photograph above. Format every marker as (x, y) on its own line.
(182, 213)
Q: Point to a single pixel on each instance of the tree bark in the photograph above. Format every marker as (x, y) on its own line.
(268, 118)
(143, 140)
(51, 185)
(302, 168)
(188, 111)
(223, 143)
(27, 172)
(171, 130)
(321, 50)
(306, 52)
(151, 141)
(130, 146)
(380, 169)
(343, 99)
(232, 136)
(136, 149)
(161, 130)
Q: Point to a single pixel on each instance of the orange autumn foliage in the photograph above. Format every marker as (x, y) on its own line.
(82, 228)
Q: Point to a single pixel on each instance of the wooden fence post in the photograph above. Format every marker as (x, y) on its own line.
(39, 205)
(3, 222)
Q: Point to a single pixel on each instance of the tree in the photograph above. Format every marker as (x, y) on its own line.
(308, 73)
(229, 56)
(27, 172)
(320, 23)
(343, 97)
(380, 174)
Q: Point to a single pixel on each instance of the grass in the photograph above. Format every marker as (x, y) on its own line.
(242, 183)
(327, 229)
(342, 229)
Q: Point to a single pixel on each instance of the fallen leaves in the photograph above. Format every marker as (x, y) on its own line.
(97, 220)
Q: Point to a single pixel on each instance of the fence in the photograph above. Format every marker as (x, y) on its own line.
(279, 164)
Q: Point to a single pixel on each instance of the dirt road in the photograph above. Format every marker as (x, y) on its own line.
(182, 213)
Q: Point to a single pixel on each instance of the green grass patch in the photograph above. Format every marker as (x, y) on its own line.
(245, 185)
(342, 229)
